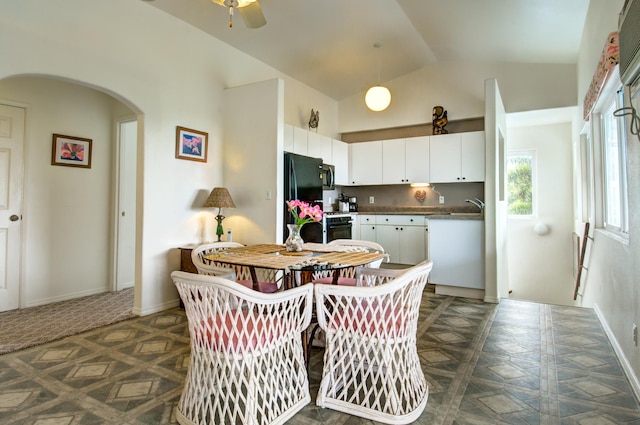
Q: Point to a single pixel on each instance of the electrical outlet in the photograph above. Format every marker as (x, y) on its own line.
(267, 195)
(634, 334)
(371, 199)
(441, 199)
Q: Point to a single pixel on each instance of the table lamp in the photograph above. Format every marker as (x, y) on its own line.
(219, 198)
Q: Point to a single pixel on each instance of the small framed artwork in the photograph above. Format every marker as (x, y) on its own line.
(191, 144)
(70, 151)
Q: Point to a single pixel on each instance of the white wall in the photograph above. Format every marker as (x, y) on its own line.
(67, 210)
(496, 265)
(170, 74)
(459, 87)
(540, 267)
(611, 283)
(254, 159)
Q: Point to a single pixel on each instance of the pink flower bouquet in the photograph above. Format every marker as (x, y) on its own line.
(303, 213)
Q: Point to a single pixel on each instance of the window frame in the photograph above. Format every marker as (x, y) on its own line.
(532, 153)
(611, 100)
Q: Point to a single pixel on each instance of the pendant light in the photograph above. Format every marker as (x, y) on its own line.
(378, 97)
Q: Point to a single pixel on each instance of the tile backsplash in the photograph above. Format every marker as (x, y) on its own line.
(405, 195)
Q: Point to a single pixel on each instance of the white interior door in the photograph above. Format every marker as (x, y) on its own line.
(11, 177)
(126, 220)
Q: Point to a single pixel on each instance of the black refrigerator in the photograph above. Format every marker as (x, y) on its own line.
(303, 181)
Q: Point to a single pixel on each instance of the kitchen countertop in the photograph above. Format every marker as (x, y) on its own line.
(445, 213)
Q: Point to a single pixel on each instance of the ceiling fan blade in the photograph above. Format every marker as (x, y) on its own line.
(252, 15)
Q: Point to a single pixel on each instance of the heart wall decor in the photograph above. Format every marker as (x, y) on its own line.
(421, 195)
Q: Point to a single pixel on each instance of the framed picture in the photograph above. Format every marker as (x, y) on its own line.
(191, 144)
(71, 151)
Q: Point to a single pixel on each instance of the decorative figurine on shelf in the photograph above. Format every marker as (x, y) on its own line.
(439, 120)
(315, 118)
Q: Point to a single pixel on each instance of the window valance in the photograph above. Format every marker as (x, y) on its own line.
(609, 59)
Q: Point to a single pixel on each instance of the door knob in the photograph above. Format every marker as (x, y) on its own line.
(14, 218)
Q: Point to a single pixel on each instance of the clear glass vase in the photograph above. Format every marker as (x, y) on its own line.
(294, 240)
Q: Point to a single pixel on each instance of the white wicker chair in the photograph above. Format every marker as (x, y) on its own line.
(371, 365)
(267, 278)
(247, 363)
(347, 275)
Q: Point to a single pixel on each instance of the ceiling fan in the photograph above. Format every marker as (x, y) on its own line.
(249, 10)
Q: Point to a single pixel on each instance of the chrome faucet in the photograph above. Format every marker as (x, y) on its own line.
(477, 202)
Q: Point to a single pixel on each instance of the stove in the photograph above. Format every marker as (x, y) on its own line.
(336, 225)
(334, 214)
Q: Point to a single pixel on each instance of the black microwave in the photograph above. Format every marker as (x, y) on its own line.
(328, 177)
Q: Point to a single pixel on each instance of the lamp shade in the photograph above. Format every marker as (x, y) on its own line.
(219, 198)
(377, 98)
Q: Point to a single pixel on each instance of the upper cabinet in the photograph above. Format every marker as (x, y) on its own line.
(309, 143)
(393, 163)
(417, 159)
(296, 140)
(319, 146)
(366, 163)
(340, 158)
(405, 160)
(458, 157)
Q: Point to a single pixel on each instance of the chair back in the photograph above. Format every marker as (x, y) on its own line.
(370, 331)
(268, 278)
(348, 275)
(372, 277)
(371, 247)
(395, 292)
(243, 340)
(209, 267)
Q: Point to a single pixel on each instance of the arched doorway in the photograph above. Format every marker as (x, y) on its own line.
(68, 241)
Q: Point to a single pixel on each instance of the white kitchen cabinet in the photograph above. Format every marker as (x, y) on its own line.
(366, 163)
(320, 146)
(393, 161)
(458, 157)
(295, 140)
(402, 237)
(456, 248)
(472, 156)
(417, 159)
(355, 227)
(288, 138)
(340, 158)
(367, 227)
(405, 160)
(300, 141)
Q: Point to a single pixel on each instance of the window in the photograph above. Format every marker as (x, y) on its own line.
(614, 161)
(520, 183)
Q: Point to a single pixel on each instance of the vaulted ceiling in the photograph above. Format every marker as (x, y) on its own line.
(328, 44)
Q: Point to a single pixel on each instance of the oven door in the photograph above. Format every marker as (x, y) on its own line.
(338, 228)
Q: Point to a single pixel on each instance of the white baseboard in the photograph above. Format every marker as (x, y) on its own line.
(156, 309)
(65, 297)
(456, 291)
(626, 366)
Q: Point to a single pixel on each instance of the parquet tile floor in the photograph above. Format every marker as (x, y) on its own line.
(513, 363)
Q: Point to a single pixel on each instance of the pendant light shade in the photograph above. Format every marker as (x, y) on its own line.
(377, 98)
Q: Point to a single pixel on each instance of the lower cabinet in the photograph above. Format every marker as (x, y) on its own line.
(403, 237)
(366, 225)
(456, 248)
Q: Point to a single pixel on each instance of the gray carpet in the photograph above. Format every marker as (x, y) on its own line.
(31, 326)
